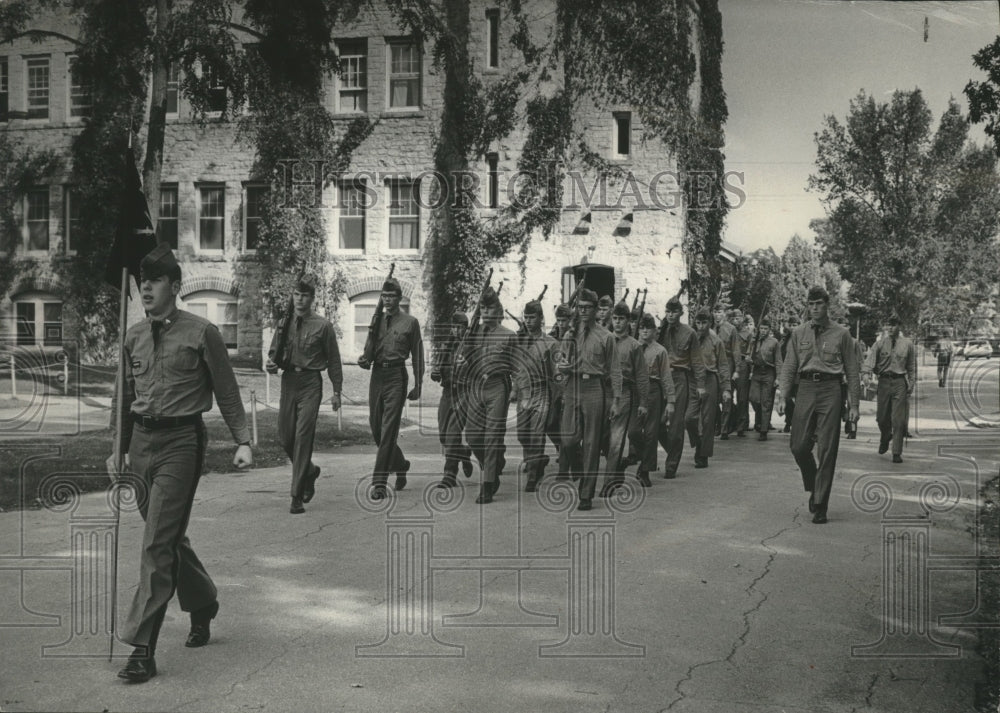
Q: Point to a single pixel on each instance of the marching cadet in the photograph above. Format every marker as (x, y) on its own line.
(741, 412)
(490, 359)
(688, 370)
(174, 363)
(731, 342)
(661, 398)
(717, 387)
(851, 427)
(450, 414)
(944, 351)
(531, 392)
(557, 384)
(790, 324)
(766, 363)
(821, 354)
(592, 396)
(604, 306)
(631, 419)
(893, 360)
(311, 349)
(397, 337)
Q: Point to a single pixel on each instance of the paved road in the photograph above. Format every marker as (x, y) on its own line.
(711, 592)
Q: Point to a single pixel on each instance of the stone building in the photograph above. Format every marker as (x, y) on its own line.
(208, 207)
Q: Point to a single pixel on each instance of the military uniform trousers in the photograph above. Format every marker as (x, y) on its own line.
(301, 395)
(486, 426)
(531, 430)
(762, 396)
(943, 362)
(386, 398)
(740, 418)
(685, 412)
(645, 446)
(702, 432)
(818, 407)
(892, 410)
(625, 428)
(723, 413)
(585, 412)
(450, 429)
(168, 464)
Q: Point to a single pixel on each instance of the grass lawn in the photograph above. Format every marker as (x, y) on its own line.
(84, 455)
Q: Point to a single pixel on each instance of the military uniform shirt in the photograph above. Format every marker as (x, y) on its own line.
(681, 343)
(660, 377)
(713, 352)
(596, 355)
(534, 366)
(898, 359)
(398, 337)
(768, 353)
(833, 352)
(731, 342)
(177, 374)
(492, 352)
(312, 345)
(633, 364)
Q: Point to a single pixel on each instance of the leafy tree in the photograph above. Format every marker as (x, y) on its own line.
(911, 212)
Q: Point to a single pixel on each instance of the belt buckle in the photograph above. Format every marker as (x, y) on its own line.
(584, 376)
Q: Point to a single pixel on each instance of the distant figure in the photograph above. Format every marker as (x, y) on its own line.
(894, 360)
(945, 349)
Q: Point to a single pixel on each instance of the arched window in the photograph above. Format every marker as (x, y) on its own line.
(219, 308)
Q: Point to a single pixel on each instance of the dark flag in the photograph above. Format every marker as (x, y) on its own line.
(135, 235)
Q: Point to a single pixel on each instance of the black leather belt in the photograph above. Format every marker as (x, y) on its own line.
(301, 369)
(891, 375)
(391, 364)
(818, 376)
(157, 423)
(679, 368)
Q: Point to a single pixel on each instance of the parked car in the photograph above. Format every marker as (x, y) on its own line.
(45, 361)
(977, 348)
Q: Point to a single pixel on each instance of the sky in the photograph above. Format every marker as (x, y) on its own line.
(788, 63)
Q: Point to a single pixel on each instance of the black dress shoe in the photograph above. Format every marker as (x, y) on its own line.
(883, 445)
(139, 669)
(467, 468)
(724, 437)
(812, 503)
(531, 486)
(379, 492)
(296, 508)
(762, 436)
(201, 630)
(669, 474)
(701, 462)
(819, 518)
(485, 495)
(584, 505)
(643, 476)
(494, 486)
(786, 429)
(740, 434)
(897, 458)
(400, 482)
(310, 487)
(447, 482)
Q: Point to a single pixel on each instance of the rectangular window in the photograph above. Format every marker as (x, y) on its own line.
(80, 100)
(216, 90)
(493, 38)
(166, 224)
(37, 219)
(404, 216)
(352, 87)
(25, 315)
(363, 312)
(253, 215)
(493, 181)
(37, 72)
(52, 327)
(351, 226)
(4, 90)
(404, 75)
(223, 314)
(211, 217)
(173, 87)
(623, 134)
(71, 218)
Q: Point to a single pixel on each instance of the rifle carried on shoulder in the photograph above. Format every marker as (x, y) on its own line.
(663, 325)
(368, 356)
(642, 309)
(284, 326)
(460, 351)
(756, 329)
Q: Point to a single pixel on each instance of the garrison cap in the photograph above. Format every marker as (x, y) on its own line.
(158, 262)
(703, 315)
(392, 285)
(793, 320)
(622, 310)
(605, 301)
(634, 316)
(818, 293)
(534, 307)
(893, 320)
(563, 312)
(587, 296)
(307, 283)
(647, 321)
(765, 322)
(674, 305)
(489, 298)
(460, 318)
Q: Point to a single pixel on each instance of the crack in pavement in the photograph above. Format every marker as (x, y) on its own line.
(741, 639)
